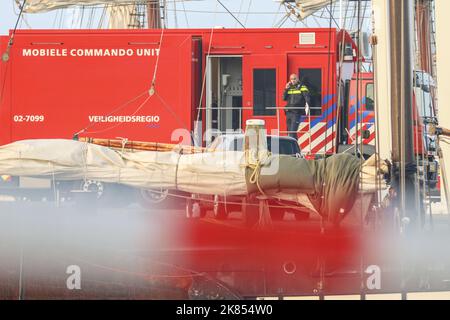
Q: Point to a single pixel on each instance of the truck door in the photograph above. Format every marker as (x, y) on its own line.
(317, 132)
(223, 95)
(264, 79)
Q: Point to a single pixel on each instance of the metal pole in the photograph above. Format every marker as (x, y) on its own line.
(402, 105)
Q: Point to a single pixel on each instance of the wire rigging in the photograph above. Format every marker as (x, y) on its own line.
(232, 14)
(6, 54)
(185, 14)
(240, 10)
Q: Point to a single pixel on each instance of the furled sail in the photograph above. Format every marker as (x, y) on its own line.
(38, 6)
(308, 7)
(331, 185)
(121, 17)
(120, 12)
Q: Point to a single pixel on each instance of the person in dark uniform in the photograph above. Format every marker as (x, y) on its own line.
(298, 100)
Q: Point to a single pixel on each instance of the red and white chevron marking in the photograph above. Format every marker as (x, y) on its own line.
(362, 127)
(318, 139)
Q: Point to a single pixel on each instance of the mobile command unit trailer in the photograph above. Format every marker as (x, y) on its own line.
(167, 86)
(145, 84)
(181, 86)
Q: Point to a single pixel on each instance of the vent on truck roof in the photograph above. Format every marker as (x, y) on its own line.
(307, 38)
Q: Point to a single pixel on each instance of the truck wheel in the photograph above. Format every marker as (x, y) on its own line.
(104, 194)
(250, 212)
(93, 186)
(219, 208)
(153, 198)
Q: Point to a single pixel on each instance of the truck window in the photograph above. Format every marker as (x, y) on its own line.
(313, 79)
(282, 146)
(238, 144)
(264, 92)
(370, 97)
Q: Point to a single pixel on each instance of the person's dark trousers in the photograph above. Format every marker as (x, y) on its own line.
(292, 122)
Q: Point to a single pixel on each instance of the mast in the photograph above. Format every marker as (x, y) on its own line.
(393, 24)
(403, 157)
(382, 76)
(154, 14)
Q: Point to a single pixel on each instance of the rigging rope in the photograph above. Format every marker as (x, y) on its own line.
(6, 54)
(11, 39)
(240, 10)
(374, 43)
(199, 109)
(185, 14)
(152, 88)
(248, 11)
(175, 18)
(150, 93)
(362, 275)
(231, 13)
(120, 123)
(102, 16)
(114, 111)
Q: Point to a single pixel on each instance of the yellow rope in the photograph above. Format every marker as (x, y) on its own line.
(254, 177)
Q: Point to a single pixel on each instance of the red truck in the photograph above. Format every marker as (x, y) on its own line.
(178, 86)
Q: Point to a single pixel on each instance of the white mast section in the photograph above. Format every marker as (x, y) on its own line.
(382, 67)
(443, 79)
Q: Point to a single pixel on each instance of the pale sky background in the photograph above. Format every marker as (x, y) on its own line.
(181, 14)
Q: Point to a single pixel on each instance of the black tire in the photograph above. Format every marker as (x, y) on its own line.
(148, 198)
(250, 212)
(219, 208)
(277, 214)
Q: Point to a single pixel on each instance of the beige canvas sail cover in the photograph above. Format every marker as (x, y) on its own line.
(207, 173)
(331, 184)
(308, 7)
(121, 17)
(120, 12)
(37, 6)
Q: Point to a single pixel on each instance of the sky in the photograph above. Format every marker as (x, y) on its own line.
(181, 14)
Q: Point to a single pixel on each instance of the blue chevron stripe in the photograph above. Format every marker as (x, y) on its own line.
(360, 104)
(365, 115)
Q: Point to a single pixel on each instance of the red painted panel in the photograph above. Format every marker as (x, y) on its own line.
(5, 95)
(70, 91)
(59, 94)
(367, 78)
